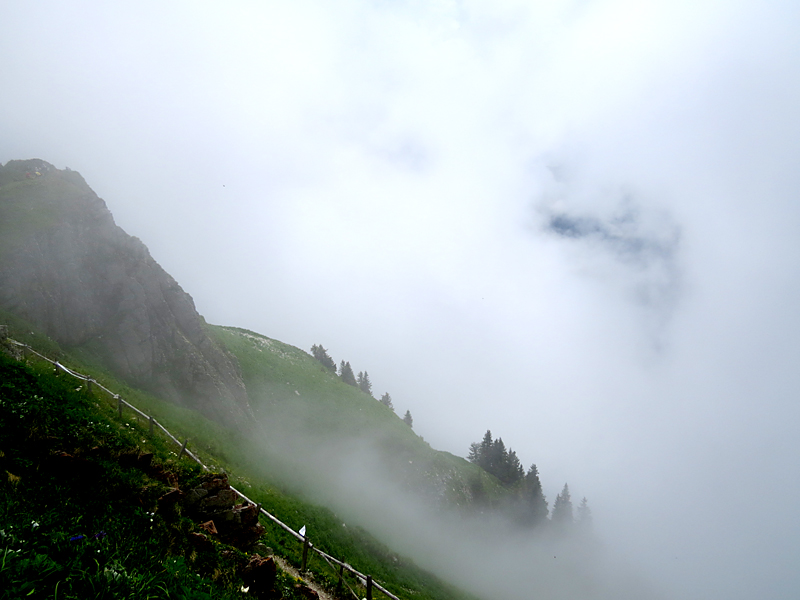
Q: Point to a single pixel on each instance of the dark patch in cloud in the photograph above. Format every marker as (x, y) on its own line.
(646, 243)
(620, 235)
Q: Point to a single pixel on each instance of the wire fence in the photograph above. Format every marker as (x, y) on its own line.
(365, 580)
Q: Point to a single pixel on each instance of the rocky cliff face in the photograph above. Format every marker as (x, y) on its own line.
(66, 267)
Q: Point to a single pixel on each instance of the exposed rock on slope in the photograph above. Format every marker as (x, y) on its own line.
(66, 267)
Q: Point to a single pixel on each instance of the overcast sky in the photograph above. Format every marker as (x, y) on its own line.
(575, 223)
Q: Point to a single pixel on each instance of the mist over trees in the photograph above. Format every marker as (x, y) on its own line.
(534, 507)
(527, 505)
(530, 507)
(584, 515)
(562, 509)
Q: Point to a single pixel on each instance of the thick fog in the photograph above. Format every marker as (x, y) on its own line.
(573, 223)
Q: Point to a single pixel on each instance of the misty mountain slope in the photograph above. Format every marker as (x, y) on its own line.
(345, 450)
(66, 267)
(225, 449)
(304, 407)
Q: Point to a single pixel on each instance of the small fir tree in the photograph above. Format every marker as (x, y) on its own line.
(584, 515)
(562, 509)
(492, 456)
(321, 354)
(407, 419)
(346, 373)
(364, 383)
(386, 400)
(497, 457)
(512, 471)
(479, 452)
(534, 503)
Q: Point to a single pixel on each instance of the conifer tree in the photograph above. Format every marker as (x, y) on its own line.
(492, 456)
(474, 455)
(562, 509)
(386, 400)
(346, 373)
(323, 357)
(364, 383)
(497, 458)
(407, 419)
(534, 504)
(584, 515)
(512, 471)
(480, 453)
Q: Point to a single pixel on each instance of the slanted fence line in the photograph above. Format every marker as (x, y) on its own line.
(366, 579)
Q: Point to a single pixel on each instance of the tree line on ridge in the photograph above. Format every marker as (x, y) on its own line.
(527, 506)
(530, 507)
(346, 374)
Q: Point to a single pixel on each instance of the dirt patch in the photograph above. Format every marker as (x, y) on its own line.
(286, 567)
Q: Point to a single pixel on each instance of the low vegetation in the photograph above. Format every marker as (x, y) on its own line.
(76, 523)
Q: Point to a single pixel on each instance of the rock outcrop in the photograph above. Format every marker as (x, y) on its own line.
(67, 268)
(213, 503)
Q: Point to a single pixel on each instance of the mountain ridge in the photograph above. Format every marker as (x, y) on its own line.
(66, 267)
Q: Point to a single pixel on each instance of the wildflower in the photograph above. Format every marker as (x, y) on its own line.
(244, 590)
(76, 538)
(34, 524)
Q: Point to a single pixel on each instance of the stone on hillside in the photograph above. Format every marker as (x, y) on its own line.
(200, 541)
(214, 502)
(222, 500)
(259, 576)
(171, 497)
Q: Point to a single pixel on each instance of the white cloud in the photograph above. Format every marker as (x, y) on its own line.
(364, 175)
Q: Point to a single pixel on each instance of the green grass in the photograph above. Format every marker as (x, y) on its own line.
(217, 447)
(73, 522)
(291, 391)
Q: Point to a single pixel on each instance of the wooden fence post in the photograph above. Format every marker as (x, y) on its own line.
(183, 448)
(152, 422)
(306, 546)
(340, 583)
(119, 405)
(369, 587)
(89, 386)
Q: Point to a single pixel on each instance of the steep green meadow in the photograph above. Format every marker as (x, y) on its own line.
(75, 523)
(295, 397)
(133, 560)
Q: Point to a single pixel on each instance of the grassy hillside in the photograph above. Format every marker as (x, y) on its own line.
(73, 421)
(76, 523)
(293, 395)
